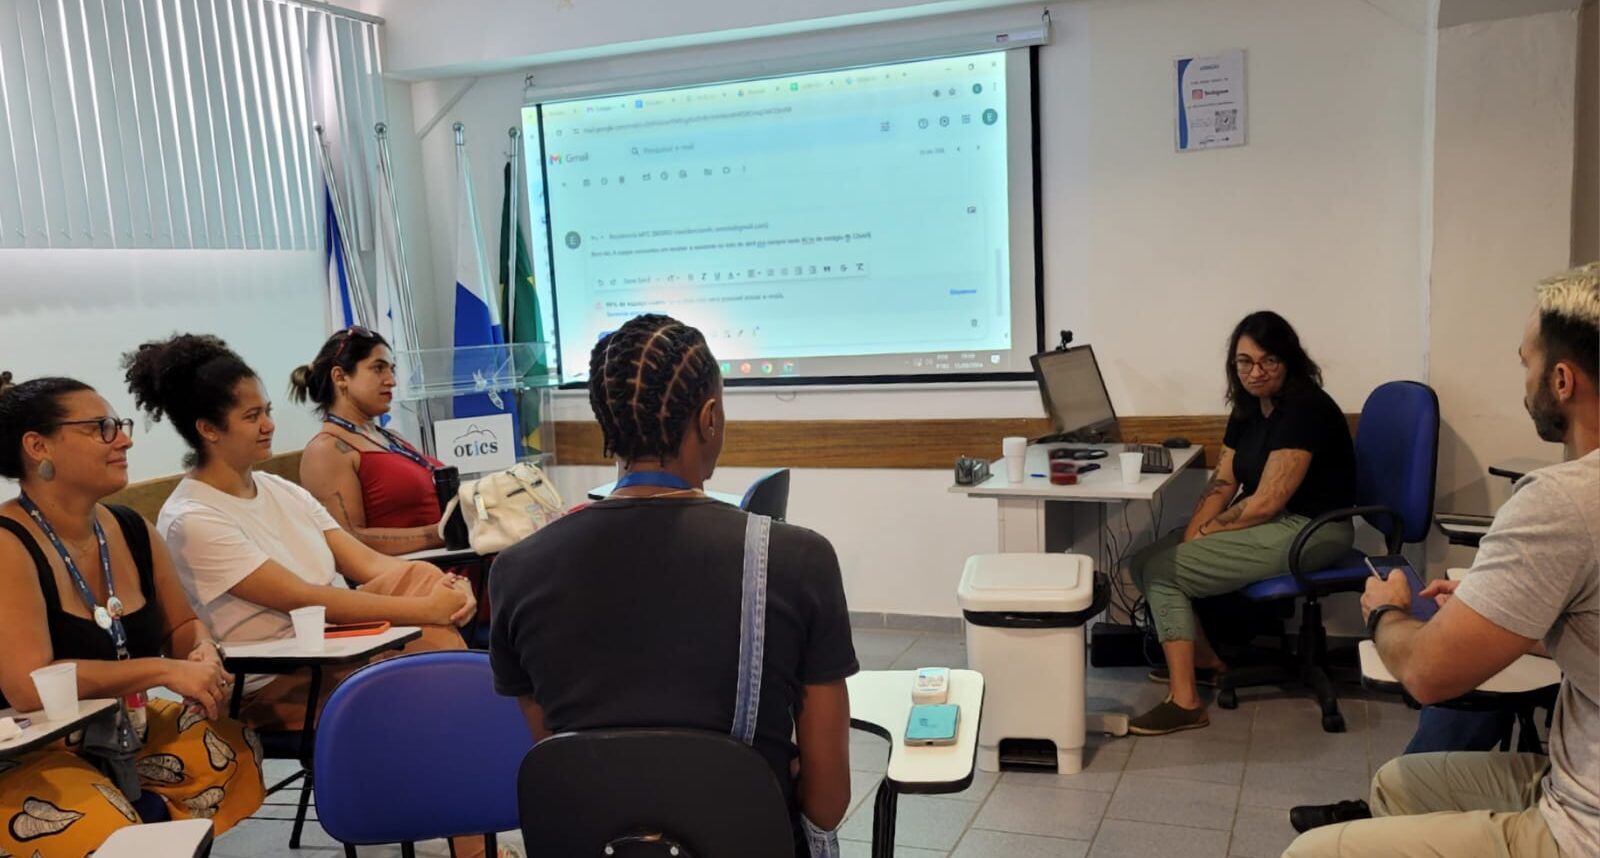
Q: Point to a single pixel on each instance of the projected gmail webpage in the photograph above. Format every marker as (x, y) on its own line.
(850, 222)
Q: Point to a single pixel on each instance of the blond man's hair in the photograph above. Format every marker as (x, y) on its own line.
(1569, 318)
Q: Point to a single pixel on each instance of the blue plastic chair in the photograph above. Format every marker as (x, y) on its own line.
(1397, 456)
(768, 495)
(419, 747)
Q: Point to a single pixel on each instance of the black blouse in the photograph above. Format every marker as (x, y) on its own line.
(73, 637)
(1303, 419)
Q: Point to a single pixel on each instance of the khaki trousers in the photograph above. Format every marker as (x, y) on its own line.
(1461, 804)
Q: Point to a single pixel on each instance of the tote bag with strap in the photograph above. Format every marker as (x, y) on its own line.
(504, 508)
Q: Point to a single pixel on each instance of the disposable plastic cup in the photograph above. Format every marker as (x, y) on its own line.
(1015, 449)
(1132, 465)
(57, 685)
(309, 624)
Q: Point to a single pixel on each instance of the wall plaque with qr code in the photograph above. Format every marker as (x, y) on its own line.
(1211, 101)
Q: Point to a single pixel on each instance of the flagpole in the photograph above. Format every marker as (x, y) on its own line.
(408, 321)
(512, 236)
(358, 290)
(470, 201)
(411, 337)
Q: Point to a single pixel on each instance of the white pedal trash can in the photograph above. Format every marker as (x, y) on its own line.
(1025, 616)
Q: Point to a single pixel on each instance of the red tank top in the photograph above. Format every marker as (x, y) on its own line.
(396, 491)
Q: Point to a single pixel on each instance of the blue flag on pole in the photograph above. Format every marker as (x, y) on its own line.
(341, 311)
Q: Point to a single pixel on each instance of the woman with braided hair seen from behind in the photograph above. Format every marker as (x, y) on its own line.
(627, 612)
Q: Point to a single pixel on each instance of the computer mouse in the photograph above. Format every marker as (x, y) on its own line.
(1176, 443)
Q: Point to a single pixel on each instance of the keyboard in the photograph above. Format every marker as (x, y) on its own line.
(1157, 459)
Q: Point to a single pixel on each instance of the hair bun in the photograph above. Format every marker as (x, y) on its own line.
(5, 381)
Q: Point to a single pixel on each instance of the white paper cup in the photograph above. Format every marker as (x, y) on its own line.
(309, 624)
(57, 685)
(1015, 450)
(1132, 465)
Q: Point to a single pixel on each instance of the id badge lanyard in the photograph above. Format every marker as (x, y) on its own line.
(108, 616)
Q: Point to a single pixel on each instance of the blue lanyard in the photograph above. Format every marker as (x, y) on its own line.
(653, 478)
(109, 617)
(394, 444)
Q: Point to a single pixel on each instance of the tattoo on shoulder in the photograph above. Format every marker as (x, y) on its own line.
(341, 446)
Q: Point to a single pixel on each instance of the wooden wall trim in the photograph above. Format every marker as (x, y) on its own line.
(930, 444)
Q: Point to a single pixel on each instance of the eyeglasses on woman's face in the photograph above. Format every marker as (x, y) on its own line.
(109, 427)
(1246, 365)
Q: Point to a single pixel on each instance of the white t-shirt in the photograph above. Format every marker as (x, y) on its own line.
(217, 540)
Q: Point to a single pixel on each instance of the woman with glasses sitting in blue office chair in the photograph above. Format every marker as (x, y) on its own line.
(1286, 458)
(627, 612)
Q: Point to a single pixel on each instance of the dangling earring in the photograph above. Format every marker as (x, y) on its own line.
(47, 470)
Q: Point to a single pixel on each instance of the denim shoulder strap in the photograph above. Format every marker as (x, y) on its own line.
(752, 627)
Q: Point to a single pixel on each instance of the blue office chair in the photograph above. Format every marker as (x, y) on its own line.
(1397, 455)
(419, 747)
(768, 495)
(656, 792)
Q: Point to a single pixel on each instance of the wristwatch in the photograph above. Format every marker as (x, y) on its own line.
(1377, 615)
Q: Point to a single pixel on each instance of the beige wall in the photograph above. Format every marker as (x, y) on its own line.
(1502, 198)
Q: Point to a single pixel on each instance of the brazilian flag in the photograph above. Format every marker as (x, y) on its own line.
(524, 323)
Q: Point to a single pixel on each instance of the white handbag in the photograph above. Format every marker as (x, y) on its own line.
(504, 508)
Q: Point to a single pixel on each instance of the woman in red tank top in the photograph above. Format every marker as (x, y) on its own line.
(377, 485)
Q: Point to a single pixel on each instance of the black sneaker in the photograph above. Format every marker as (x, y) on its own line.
(1309, 816)
(1168, 717)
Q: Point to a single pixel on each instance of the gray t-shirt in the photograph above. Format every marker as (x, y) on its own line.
(1537, 574)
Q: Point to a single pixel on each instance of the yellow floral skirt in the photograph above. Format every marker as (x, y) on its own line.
(56, 803)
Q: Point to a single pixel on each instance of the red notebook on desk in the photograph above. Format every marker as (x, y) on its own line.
(356, 630)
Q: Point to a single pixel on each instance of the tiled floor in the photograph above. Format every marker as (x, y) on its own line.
(1221, 792)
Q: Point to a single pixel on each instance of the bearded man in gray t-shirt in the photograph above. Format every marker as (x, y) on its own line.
(1535, 586)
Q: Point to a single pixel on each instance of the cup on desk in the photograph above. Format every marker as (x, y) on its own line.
(57, 685)
(1015, 449)
(309, 624)
(1132, 466)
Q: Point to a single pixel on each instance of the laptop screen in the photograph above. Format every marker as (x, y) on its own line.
(1074, 393)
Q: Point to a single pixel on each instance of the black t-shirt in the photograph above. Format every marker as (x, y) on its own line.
(1307, 419)
(626, 614)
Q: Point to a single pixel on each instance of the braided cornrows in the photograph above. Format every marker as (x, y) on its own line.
(646, 380)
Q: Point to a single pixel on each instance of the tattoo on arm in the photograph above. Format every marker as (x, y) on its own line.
(341, 446)
(1283, 477)
(1217, 487)
(366, 534)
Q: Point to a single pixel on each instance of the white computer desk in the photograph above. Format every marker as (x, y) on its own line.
(1035, 516)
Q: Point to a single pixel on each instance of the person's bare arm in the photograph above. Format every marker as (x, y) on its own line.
(1448, 655)
(534, 715)
(822, 732)
(1280, 479)
(25, 641)
(1218, 494)
(362, 564)
(330, 470)
(273, 586)
(182, 631)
